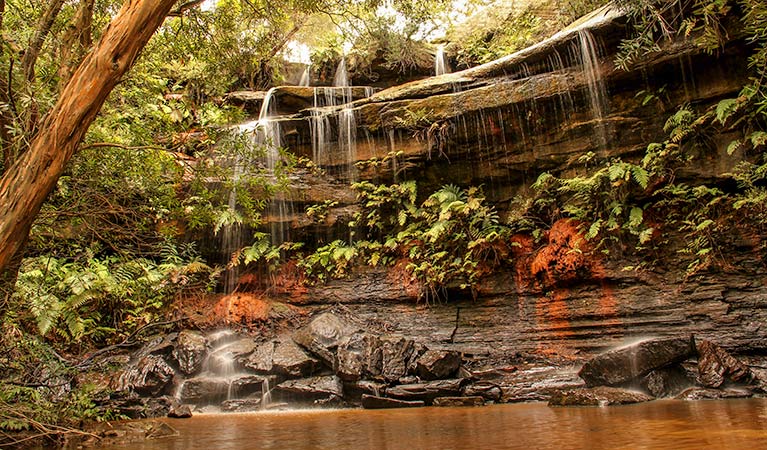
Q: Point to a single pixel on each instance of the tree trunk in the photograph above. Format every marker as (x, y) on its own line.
(26, 184)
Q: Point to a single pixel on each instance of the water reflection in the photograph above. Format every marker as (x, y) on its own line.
(657, 425)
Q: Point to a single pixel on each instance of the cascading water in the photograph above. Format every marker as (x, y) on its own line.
(306, 77)
(332, 105)
(597, 88)
(221, 381)
(341, 78)
(268, 131)
(269, 135)
(440, 64)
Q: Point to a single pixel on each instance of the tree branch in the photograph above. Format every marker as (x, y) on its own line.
(178, 12)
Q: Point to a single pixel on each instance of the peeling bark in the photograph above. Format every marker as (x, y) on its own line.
(26, 184)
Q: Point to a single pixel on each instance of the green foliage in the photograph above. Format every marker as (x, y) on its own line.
(496, 35)
(601, 201)
(96, 299)
(450, 240)
(318, 213)
(37, 388)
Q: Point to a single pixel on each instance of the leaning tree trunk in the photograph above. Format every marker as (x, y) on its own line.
(26, 184)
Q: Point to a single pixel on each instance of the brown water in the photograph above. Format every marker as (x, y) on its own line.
(736, 424)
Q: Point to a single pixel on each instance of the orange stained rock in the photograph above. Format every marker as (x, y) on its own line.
(553, 317)
(566, 258)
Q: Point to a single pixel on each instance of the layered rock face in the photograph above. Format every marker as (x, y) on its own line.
(501, 125)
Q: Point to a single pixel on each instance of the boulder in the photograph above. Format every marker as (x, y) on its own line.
(597, 396)
(203, 390)
(699, 393)
(715, 366)
(161, 345)
(667, 381)
(354, 390)
(133, 406)
(396, 358)
(426, 392)
(248, 385)
(323, 336)
(178, 411)
(359, 357)
(438, 364)
(309, 390)
(283, 356)
(375, 402)
(459, 401)
(241, 405)
(190, 351)
(627, 363)
(485, 389)
(238, 350)
(150, 375)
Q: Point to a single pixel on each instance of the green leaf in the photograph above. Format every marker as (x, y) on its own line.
(646, 235)
(641, 176)
(594, 229)
(758, 138)
(725, 109)
(734, 146)
(703, 225)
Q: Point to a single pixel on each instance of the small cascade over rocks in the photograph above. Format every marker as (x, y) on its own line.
(306, 77)
(440, 62)
(331, 361)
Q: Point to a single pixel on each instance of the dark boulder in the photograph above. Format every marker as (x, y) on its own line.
(161, 345)
(231, 354)
(359, 357)
(203, 390)
(178, 411)
(323, 336)
(597, 396)
(241, 405)
(438, 364)
(459, 401)
(133, 406)
(426, 391)
(667, 381)
(715, 366)
(284, 357)
(627, 363)
(248, 385)
(485, 389)
(150, 375)
(374, 402)
(310, 390)
(699, 393)
(396, 358)
(190, 351)
(354, 390)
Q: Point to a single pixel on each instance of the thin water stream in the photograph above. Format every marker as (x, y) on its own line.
(734, 424)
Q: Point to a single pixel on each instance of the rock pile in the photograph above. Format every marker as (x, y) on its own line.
(328, 362)
(679, 368)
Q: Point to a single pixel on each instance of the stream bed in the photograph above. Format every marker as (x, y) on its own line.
(664, 424)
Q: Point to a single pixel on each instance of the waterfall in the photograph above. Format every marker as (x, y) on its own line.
(341, 78)
(231, 234)
(440, 64)
(269, 134)
(306, 77)
(590, 62)
(266, 393)
(220, 380)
